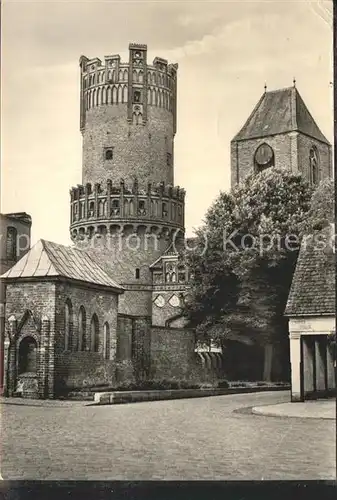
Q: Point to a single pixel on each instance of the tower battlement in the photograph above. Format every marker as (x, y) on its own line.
(135, 82)
(110, 204)
(128, 125)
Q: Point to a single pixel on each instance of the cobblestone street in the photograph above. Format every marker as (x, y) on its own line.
(182, 439)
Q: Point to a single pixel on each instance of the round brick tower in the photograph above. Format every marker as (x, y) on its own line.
(127, 210)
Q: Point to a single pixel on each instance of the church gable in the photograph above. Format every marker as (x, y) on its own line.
(280, 132)
(279, 112)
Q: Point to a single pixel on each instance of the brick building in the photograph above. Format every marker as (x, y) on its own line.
(109, 308)
(311, 310)
(281, 132)
(15, 242)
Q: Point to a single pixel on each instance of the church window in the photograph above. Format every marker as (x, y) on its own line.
(28, 355)
(68, 326)
(11, 242)
(108, 153)
(82, 338)
(264, 157)
(94, 334)
(164, 210)
(314, 165)
(106, 337)
(137, 273)
(169, 159)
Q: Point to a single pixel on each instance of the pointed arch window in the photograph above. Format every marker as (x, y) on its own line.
(106, 337)
(314, 166)
(94, 333)
(82, 338)
(68, 326)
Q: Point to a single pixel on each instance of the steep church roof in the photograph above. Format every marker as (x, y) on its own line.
(312, 291)
(277, 112)
(48, 259)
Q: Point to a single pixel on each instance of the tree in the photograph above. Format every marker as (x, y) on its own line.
(245, 258)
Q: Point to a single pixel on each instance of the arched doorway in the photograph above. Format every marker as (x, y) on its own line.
(27, 356)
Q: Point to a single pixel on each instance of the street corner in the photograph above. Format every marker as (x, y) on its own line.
(323, 409)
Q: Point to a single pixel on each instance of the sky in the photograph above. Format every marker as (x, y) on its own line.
(226, 52)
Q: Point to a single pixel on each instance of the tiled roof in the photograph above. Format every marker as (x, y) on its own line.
(277, 112)
(47, 259)
(312, 290)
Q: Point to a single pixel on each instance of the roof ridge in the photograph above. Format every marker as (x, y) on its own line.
(278, 90)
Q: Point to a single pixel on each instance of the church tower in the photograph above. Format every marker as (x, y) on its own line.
(127, 209)
(281, 132)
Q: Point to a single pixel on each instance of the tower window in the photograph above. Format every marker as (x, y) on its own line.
(314, 166)
(115, 207)
(164, 208)
(137, 96)
(137, 273)
(141, 207)
(169, 159)
(108, 153)
(91, 208)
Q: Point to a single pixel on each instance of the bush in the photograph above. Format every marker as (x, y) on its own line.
(223, 384)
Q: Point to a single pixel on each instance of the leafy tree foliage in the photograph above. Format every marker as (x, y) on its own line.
(245, 256)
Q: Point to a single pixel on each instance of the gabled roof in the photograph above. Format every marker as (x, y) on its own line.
(48, 259)
(312, 291)
(174, 251)
(278, 112)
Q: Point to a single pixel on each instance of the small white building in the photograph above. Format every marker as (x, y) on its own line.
(311, 310)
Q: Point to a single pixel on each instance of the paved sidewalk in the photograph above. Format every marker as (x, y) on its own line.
(322, 409)
(45, 403)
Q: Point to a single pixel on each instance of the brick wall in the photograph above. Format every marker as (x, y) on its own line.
(160, 315)
(242, 155)
(85, 368)
(172, 354)
(291, 151)
(39, 297)
(139, 150)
